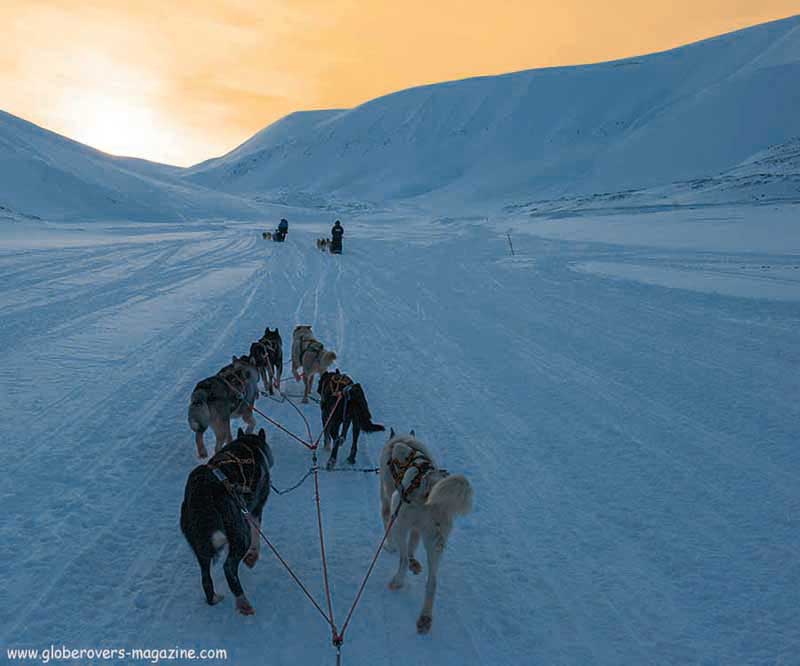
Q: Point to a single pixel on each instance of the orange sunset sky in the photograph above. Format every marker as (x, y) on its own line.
(180, 81)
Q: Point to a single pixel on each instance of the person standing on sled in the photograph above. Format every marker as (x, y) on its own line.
(337, 231)
(282, 230)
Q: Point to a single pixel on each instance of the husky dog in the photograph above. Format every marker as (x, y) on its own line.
(267, 235)
(211, 515)
(323, 243)
(300, 335)
(215, 400)
(267, 354)
(430, 501)
(350, 408)
(310, 356)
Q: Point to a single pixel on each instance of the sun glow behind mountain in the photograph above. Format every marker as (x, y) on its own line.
(182, 82)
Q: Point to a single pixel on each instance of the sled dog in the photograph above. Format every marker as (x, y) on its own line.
(323, 244)
(343, 403)
(267, 355)
(211, 515)
(429, 499)
(267, 235)
(215, 400)
(310, 356)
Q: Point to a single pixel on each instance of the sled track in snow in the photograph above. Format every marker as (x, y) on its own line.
(623, 440)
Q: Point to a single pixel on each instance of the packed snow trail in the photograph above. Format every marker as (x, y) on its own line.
(632, 449)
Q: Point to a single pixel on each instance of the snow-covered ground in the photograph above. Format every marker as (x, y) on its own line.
(632, 443)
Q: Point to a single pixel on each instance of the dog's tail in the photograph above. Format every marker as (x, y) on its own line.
(453, 494)
(326, 359)
(360, 409)
(205, 533)
(199, 415)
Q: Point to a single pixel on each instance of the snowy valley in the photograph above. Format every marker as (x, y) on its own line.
(580, 286)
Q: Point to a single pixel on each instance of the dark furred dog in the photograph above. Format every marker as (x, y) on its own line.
(211, 517)
(268, 356)
(352, 409)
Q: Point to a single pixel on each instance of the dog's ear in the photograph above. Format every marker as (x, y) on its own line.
(233, 360)
(391, 433)
(412, 433)
(239, 434)
(262, 435)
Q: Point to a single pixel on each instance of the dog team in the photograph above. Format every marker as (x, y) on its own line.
(237, 477)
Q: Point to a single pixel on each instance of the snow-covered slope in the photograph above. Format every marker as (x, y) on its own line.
(689, 112)
(685, 115)
(45, 174)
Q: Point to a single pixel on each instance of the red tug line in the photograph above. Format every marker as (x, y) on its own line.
(337, 636)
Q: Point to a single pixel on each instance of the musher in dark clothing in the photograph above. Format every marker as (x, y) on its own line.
(281, 231)
(337, 231)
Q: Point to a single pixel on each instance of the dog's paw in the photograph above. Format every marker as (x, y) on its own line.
(330, 464)
(414, 566)
(244, 607)
(351, 460)
(202, 455)
(216, 599)
(395, 584)
(424, 624)
(250, 558)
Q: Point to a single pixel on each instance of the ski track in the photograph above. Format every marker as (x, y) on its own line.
(632, 449)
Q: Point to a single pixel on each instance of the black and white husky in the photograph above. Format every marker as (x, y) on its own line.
(342, 404)
(267, 354)
(211, 514)
(429, 500)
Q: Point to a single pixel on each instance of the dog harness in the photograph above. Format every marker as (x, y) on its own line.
(339, 383)
(269, 346)
(230, 458)
(239, 387)
(311, 346)
(418, 461)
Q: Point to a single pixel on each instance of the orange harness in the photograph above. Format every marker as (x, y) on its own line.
(398, 470)
(339, 383)
(229, 458)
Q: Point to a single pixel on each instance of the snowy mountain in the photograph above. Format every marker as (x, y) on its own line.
(639, 122)
(48, 175)
(684, 115)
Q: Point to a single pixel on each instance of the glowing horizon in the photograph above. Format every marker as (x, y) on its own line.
(183, 84)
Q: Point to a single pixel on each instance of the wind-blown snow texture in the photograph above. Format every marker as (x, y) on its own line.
(621, 392)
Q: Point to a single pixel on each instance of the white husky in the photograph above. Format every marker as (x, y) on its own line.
(310, 356)
(430, 500)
